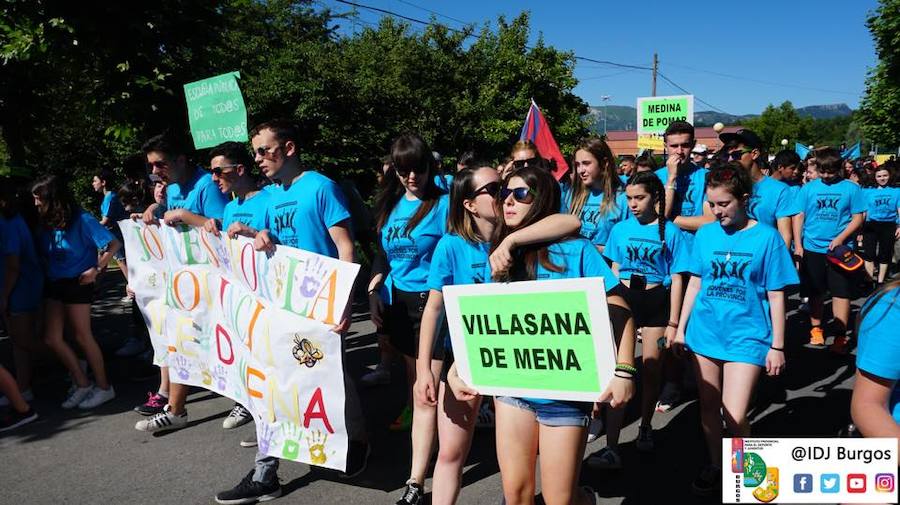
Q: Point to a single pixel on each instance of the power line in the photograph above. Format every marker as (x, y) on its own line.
(760, 81)
(464, 23)
(670, 81)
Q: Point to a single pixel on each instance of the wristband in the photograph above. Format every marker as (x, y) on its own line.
(627, 377)
(780, 349)
(625, 367)
(672, 324)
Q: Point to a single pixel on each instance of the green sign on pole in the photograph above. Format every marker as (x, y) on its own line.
(216, 110)
(547, 339)
(655, 113)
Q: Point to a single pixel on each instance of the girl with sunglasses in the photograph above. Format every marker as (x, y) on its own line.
(411, 217)
(647, 253)
(558, 428)
(68, 243)
(461, 257)
(733, 312)
(597, 195)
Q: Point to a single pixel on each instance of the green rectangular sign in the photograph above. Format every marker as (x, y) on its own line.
(216, 110)
(537, 341)
(655, 113)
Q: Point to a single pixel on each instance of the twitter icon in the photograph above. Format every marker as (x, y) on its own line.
(830, 483)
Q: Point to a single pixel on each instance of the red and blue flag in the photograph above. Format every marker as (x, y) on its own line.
(537, 130)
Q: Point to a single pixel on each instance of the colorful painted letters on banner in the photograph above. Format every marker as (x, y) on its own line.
(252, 327)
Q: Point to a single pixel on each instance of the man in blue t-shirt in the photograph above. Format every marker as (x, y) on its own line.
(786, 166)
(308, 211)
(832, 211)
(232, 171)
(771, 202)
(685, 182)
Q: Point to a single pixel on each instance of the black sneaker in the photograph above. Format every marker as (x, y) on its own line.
(357, 459)
(413, 495)
(250, 491)
(15, 419)
(708, 482)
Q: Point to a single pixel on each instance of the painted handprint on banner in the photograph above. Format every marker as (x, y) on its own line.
(280, 273)
(151, 280)
(205, 375)
(292, 435)
(221, 377)
(182, 367)
(266, 438)
(305, 352)
(316, 442)
(313, 274)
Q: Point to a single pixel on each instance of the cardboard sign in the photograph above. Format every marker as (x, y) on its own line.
(655, 113)
(216, 110)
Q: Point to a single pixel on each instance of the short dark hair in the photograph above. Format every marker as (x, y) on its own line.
(679, 127)
(234, 152)
(732, 177)
(786, 158)
(829, 160)
(107, 176)
(168, 143)
(626, 157)
(283, 129)
(466, 158)
(646, 160)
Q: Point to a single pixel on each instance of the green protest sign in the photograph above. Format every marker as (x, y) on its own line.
(216, 110)
(655, 113)
(547, 339)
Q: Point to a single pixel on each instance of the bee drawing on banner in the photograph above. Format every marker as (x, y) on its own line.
(305, 352)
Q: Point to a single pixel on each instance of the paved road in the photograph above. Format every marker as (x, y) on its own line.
(98, 457)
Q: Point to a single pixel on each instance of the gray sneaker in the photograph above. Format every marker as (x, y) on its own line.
(238, 416)
(76, 396)
(97, 397)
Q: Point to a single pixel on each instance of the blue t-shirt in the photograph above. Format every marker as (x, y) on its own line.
(771, 200)
(409, 254)
(112, 208)
(879, 343)
(69, 252)
(200, 196)
(443, 181)
(458, 261)
(637, 249)
(827, 211)
(690, 189)
(731, 320)
(300, 215)
(596, 223)
(882, 204)
(250, 211)
(16, 240)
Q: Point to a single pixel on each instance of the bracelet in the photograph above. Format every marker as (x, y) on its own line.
(672, 324)
(625, 367)
(670, 186)
(779, 349)
(628, 377)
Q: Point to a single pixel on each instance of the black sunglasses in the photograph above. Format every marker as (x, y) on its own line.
(736, 155)
(491, 188)
(265, 150)
(404, 172)
(217, 171)
(521, 195)
(525, 163)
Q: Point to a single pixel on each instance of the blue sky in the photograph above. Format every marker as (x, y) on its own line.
(808, 52)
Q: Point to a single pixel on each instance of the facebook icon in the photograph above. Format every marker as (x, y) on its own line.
(802, 483)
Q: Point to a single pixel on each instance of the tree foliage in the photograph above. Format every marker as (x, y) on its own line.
(880, 106)
(80, 88)
(783, 122)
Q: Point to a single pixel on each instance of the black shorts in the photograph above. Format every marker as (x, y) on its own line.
(819, 277)
(878, 241)
(402, 321)
(69, 291)
(649, 307)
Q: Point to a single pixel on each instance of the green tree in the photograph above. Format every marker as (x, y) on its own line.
(880, 106)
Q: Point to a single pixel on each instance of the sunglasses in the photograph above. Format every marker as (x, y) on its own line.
(217, 171)
(736, 155)
(524, 163)
(404, 172)
(266, 150)
(521, 195)
(491, 188)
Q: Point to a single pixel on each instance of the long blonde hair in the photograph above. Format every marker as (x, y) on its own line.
(610, 182)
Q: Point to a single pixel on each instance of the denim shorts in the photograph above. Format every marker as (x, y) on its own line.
(555, 413)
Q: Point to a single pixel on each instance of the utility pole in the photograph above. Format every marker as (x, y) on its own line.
(655, 67)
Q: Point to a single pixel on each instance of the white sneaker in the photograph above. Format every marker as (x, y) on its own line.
(97, 397)
(27, 395)
(238, 416)
(76, 396)
(378, 377)
(163, 421)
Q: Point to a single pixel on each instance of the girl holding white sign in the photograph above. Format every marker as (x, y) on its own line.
(559, 428)
(647, 254)
(461, 257)
(733, 312)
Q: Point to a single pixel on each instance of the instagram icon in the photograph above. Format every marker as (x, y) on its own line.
(884, 483)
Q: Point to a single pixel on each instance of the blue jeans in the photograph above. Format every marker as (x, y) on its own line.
(553, 412)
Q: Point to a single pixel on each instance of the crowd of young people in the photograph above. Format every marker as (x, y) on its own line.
(698, 258)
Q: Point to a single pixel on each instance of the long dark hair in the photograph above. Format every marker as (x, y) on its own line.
(546, 203)
(60, 205)
(609, 178)
(459, 220)
(654, 186)
(409, 152)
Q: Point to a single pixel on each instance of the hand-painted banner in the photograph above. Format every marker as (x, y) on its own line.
(535, 339)
(252, 327)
